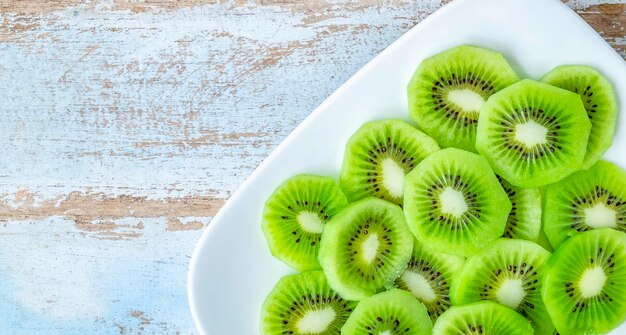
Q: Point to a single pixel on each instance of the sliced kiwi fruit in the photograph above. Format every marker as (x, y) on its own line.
(533, 134)
(508, 272)
(395, 312)
(365, 247)
(304, 303)
(454, 203)
(524, 221)
(588, 199)
(482, 318)
(543, 241)
(599, 100)
(585, 283)
(429, 276)
(294, 218)
(449, 89)
(379, 155)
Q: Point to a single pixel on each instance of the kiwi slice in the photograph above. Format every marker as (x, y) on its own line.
(588, 199)
(304, 303)
(379, 155)
(454, 203)
(507, 272)
(449, 89)
(394, 312)
(533, 134)
(524, 221)
(428, 277)
(599, 100)
(294, 218)
(365, 247)
(482, 318)
(543, 241)
(585, 283)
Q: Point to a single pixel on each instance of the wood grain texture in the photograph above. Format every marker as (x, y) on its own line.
(125, 125)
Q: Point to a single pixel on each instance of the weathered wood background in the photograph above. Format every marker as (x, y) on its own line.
(125, 125)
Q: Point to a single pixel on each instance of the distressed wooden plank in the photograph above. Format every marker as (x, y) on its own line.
(610, 21)
(126, 124)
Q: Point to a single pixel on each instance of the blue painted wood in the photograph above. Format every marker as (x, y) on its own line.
(124, 126)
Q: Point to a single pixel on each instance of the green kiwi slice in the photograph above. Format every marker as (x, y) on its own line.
(454, 203)
(365, 247)
(294, 218)
(585, 283)
(599, 100)
(588, 199)
(533, 134)
(543, 241)
(482, 318)
(304, 303)
(524, 221)
(394, 312)
(449, 89)
(429, 276)
(379, 155)
(507, 272)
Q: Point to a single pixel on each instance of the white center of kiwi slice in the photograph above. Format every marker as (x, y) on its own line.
(531, 133)
(419, 286)
(600, 216)
(511, 293)
(316, 321)
(369, 248)
(310, 222)
(452, 202)
(386, 332)
(592, 282)
(393, 177)
(466, 99)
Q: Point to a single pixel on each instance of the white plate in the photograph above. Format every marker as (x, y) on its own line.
(232, 270)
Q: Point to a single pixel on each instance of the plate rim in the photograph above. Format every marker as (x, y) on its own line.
(309, 119)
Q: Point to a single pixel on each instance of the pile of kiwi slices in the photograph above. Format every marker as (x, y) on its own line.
(491, 214)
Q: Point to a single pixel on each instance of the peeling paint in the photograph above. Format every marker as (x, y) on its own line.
(609, 20)
(174, 224)
(86, 207)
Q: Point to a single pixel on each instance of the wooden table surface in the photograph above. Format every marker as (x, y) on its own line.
(125, 125)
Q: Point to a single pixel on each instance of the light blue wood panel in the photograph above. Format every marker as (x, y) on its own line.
(124, 126)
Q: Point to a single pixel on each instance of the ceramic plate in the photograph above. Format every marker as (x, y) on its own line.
(232, 270)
